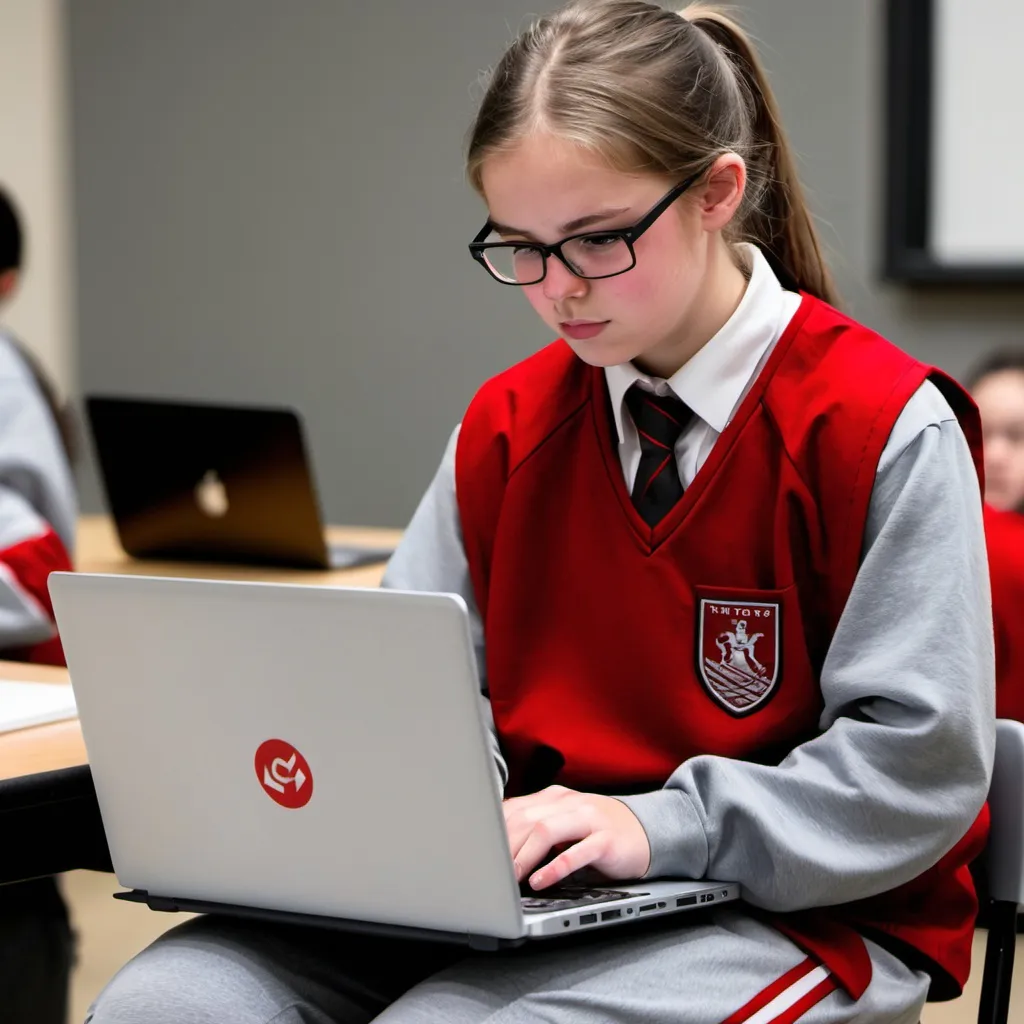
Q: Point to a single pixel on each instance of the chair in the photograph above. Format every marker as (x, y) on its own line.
(1005, 870)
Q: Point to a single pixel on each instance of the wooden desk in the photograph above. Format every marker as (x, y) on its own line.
(43, 748)
(47, 801)
(98, 550)
(49, 817)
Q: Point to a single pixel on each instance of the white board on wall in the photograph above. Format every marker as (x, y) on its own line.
(954, 155)
(977, 201)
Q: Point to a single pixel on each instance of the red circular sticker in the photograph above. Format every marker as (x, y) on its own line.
(284, 773)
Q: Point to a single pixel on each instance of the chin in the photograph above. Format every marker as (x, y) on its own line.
(601, 353)
(600, 360)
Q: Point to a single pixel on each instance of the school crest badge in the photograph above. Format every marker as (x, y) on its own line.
(738, 652)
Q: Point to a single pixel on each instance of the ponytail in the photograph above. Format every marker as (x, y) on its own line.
(780, 222)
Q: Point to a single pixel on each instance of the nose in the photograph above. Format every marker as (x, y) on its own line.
(560, 283)
(997, 450)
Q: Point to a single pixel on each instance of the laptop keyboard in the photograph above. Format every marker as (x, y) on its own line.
(566, 897)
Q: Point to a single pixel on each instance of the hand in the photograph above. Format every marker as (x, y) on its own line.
(601, 833)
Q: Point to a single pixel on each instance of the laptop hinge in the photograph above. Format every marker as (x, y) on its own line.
(168, 904)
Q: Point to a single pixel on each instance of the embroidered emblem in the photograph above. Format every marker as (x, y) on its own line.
(738, 652)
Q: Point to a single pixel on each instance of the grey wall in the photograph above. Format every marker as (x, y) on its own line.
(270, 208)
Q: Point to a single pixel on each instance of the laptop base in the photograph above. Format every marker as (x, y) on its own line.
(171, 904)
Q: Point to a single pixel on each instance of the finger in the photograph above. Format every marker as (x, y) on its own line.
(518, 831)
(588, 851)
(519, 822)
(544, 796)
(545, 836)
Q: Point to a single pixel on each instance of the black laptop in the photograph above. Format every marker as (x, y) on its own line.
(189, 481)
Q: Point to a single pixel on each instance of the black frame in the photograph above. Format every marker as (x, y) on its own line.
(910, 34)
(55, 818)
(997, 979)
(628, 235)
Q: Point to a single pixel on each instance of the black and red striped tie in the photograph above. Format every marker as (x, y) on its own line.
(659, 422)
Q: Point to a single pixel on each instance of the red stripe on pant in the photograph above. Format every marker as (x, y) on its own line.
(802, 1005)
(791, 1013)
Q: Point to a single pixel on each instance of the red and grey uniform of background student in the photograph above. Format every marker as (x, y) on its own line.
(1005, 535)
(37, 513)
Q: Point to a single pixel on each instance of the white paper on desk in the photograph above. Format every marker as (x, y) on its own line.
(25, 704)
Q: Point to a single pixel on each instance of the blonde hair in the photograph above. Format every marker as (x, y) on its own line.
(659, 92)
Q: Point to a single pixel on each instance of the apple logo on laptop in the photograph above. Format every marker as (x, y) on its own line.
(212, 495)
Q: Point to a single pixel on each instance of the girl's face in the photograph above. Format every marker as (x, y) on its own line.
(1000, 398)
(684, 285)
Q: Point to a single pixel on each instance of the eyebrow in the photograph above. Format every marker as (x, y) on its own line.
(565, 229)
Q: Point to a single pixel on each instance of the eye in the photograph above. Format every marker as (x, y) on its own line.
(598, 241)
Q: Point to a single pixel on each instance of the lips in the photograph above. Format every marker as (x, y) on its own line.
(582, 329)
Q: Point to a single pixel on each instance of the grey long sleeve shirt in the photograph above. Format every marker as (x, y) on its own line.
(36, 493)
(903, 762)
(902, 765)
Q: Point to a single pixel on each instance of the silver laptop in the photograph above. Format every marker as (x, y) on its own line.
(311, 753)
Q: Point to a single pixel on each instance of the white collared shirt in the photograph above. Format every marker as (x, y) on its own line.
(716, 379)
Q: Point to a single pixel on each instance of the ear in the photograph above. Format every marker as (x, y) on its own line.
(8, 282)
(721, 195)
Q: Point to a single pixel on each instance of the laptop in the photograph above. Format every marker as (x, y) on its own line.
(188, 481)
(309, 754)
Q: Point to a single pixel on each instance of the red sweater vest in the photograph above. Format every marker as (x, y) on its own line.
(1004, 532)
(614, 651)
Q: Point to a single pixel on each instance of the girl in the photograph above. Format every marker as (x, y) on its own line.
(997, 385)
(710, 443)
(38, 508)
(37, 523)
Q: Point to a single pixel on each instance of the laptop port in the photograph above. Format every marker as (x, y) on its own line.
(686, 901)
(610, 915)
(650, 906)
(588, 918)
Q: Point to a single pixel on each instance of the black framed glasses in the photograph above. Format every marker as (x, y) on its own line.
(592, 255)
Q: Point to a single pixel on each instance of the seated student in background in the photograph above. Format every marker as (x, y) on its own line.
(37, 522)
(997, 385)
